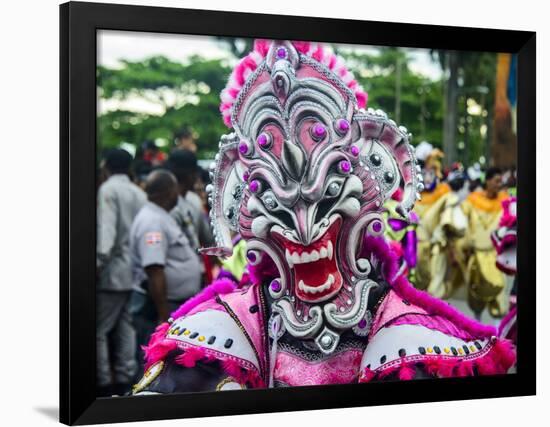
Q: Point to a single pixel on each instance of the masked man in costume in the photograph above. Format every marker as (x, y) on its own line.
(303, 178)
(438, 225)
(486, 283)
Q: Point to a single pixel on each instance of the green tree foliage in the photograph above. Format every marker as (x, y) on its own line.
(185, 94)
(476, 87)
(421, 107)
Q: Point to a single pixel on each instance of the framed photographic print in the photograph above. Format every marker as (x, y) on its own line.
(269, 213)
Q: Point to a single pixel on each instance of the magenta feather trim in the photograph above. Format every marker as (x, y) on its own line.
(382, 251)
(407, 372)
(191, 355)
(218, 287)
(158, 347)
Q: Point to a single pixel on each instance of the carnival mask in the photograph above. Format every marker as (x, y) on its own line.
(302, 178)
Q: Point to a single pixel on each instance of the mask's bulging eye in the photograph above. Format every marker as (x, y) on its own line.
(334, 189)
(269, 202)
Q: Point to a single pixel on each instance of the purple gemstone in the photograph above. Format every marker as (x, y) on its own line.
(263, 140)
(281, 53)
(362, 324)
(377, 226)
(319, 131)
(254, 186)
(343, 125)
(251, 256)
(354, 149)
(345, 166)
(243, 147)
(246, 175)
(275, 285)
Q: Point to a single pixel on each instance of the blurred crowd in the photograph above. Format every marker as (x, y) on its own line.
(151, 220)
(152, 217)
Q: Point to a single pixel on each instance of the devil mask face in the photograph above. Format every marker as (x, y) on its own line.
(303, 178)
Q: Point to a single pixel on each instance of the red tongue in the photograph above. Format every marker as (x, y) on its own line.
(314, 273)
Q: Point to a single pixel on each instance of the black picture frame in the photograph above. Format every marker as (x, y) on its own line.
(79, 23)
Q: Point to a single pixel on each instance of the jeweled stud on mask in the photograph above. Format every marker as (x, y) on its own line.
(264, 141)
(275, 285)
(253, 257)
(344, 167)
(354, 150)
(341, 126)
(318, 131)
(245, 148)
(282, 53)
(255, 186)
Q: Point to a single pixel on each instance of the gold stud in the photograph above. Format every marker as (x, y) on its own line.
(447, 350)
(187, 332)
(201, 338)
(460, 351)
(472, 348)
(430, 350)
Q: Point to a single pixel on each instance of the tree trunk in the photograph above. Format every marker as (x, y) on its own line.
(398, 67)
(451, 107)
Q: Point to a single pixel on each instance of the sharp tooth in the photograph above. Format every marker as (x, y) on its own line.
(289, 258)
(305, 258)
(314, 256)
(301, 285)
(323, 253)
(296, 258)
(329, 250)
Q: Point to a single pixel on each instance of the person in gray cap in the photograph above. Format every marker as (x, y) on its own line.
(118, 202)
(165, 265)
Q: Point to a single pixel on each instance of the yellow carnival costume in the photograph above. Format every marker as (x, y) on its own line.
(485, 282)
(441, 228)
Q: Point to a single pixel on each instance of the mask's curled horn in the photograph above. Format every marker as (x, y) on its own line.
(225, 195)
(377, 132)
